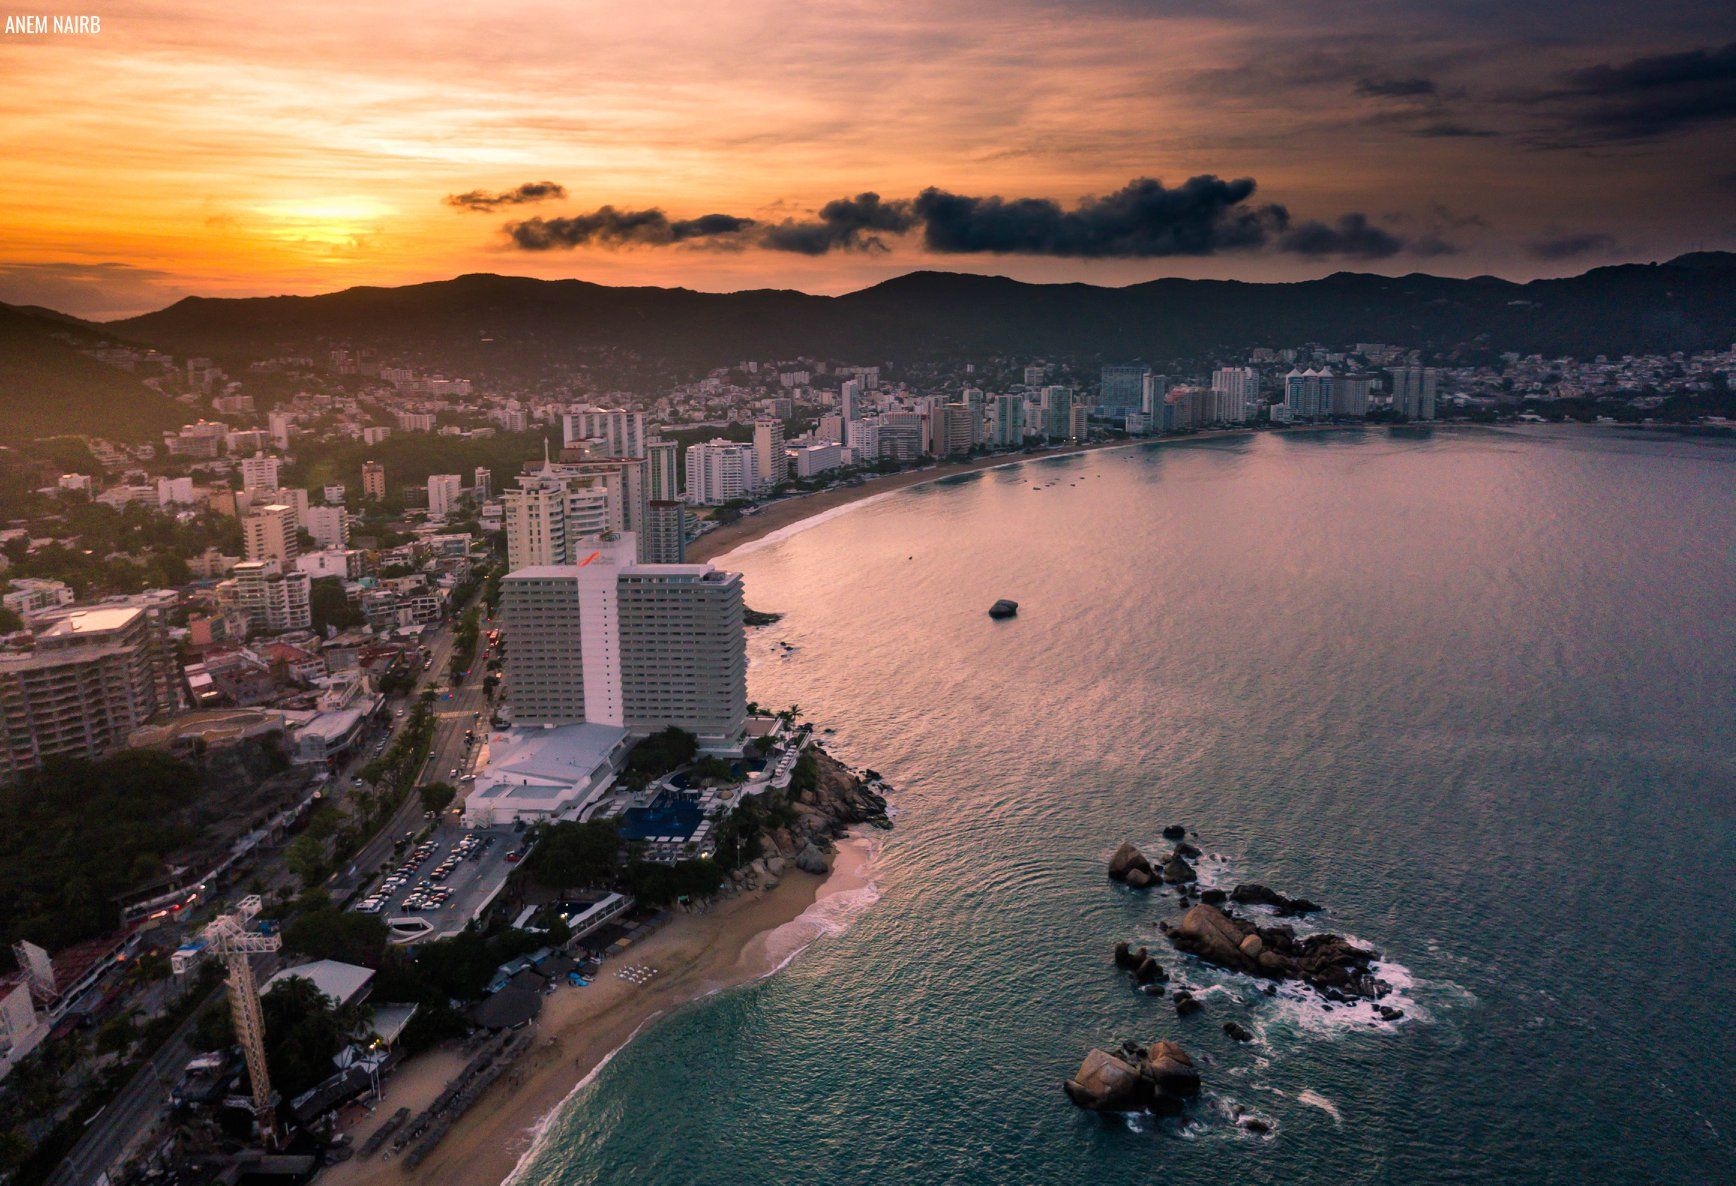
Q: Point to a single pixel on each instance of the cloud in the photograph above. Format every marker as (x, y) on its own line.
(530, 191)
(1569, 246)
(1643, 99)
(847, 224)
(1351, 235)
(1449, 129)
(1143, 219)
(1395, 88)
(610, 227)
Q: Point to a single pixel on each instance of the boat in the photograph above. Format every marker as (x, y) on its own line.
(1004, 608)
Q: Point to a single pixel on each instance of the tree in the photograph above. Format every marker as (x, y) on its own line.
(329, 933)
(303, 1032)
(306, 859)
(330, 607)
(576, 854)
(437, 796)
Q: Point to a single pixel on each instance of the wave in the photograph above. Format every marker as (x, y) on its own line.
(801, 525)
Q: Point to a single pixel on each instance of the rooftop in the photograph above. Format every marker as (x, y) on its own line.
(340, 982)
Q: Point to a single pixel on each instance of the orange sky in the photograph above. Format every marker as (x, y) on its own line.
(301, 146)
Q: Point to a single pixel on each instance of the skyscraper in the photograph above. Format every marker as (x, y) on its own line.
(1007, 421)
(1308, 394)
(768, 448)
(666, 533)
(850, 400)
(1057, 412)
(550, 512)
(1234, 390)
(373, 480)
(639, 646)
(268, 533)
(621, 431)
(720, 471)
(482, 484)
(1413, 392)
(1152, 389)
(1122, 389)
(664, 468)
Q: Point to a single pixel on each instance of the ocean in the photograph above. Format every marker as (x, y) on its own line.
(1474, 690)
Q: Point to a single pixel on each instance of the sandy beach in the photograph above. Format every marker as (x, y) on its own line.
(735, 941)
(790, 511)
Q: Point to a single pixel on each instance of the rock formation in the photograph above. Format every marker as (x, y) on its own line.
(1135, 1079)
(1128, 859)
(1326, 963)
(1255, 894)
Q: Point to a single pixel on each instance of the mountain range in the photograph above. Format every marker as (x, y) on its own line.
(485, 326)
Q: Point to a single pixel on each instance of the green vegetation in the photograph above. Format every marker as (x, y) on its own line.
(304, 1030)
(121, 551)
(409, 457)
(657, 755)
(50, 388)
(576, 855)
(437, 796)
(331, 608)
(464, 638)
(77, 835)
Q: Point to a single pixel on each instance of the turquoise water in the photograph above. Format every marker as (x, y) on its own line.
(1472, 690)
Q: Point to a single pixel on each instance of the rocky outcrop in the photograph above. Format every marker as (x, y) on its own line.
(812, 860)
(1135, 1079)
(1175, 832)
(1326, 963)
(1255, 894)
(1237, 1032)
(1176, 870)
(1128, 860)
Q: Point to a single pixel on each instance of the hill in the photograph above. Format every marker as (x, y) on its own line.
(476, 323)
(49, 388)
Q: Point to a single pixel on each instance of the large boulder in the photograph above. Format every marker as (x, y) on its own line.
(1214, 936)
(1105, 1082)
(1139, 879)
(1176, 870)
(1128, 857)
(1170, 1068)
(1174, 832)
(812, 860)
(1323, 962)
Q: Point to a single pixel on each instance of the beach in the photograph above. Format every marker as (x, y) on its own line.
(790, 511)
(733, 942)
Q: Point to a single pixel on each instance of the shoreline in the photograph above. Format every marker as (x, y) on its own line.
(735, 942)
(798, 509)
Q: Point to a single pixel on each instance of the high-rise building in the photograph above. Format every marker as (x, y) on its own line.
(329, 526)
(957, 431)
(444, 491)
(89, 679)
(482, 484)
(1413, 392)
(1152, 390)
(638, 646)
(664, 469)
(864, 441)
(850, 400)
(259, 473)
(1006, 421)
(281, 425)
(1035, 373)
(1350, 395)
(273, 600)
(627, 480)
(373, 480)
(268, 533)
(720, 471)
(1122, 389)
(768, 448)
(1079, 423)
(1234, 392)
(1057, 412)
(1308, 394)
(621, 431)
(666, 532)
(550, 513)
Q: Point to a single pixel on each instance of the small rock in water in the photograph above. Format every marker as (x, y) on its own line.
(1186, 1006)
(1237, 1032)
(1255, 1125)
(1213, 897)
(1174, 832)
(1391, 1013)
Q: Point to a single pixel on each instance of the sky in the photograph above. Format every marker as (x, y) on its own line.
(297, 146)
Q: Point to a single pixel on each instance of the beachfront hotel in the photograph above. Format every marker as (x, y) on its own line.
(633, 646)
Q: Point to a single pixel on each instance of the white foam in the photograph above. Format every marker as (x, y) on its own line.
(801, 525)
(1314, 1099)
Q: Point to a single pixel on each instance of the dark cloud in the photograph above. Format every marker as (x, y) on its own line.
(1569, 246)
(1449, 129)
(1395, 88)
(610, 227)
(1351, 235)
(530, 191)
(1643, 99)
(847, 224)
(1143, 219)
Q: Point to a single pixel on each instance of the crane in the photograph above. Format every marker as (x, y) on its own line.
(228, 938)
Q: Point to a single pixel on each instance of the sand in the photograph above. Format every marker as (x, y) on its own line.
(735, 941)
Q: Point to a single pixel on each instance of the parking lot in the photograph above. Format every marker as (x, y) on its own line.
(435, 887)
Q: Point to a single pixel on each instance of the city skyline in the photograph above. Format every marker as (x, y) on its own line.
(185, 149)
